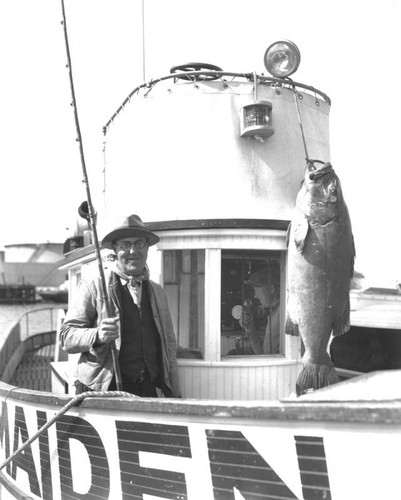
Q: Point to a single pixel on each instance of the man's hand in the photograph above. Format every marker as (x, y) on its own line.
(246, 319)
(108, 330)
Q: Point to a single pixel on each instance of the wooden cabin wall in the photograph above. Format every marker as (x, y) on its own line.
(239, 380)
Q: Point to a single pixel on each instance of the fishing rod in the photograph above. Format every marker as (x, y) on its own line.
(91, 211)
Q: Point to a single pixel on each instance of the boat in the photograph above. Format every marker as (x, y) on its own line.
(338, 444)
(236, 143)
(28, 269)
(373, 341)
(58, 294)
(17, 294)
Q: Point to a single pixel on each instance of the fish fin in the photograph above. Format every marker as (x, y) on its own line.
(353, 257)
(300, 232)
(315, 376)
(343, 325)
(291, 328)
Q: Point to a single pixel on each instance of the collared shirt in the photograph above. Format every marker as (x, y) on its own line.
(135, 289)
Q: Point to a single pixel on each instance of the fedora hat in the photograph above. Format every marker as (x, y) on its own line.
(128, 227)
(265, 276)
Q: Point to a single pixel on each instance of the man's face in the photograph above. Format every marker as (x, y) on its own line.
(265, 295)
(131, 254)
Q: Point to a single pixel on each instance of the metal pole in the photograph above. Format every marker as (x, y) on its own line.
(91, 211)
(300, 124)
(143, 42)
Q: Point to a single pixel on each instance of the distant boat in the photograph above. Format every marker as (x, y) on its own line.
(17, 294)
(26, 268)
(58, 294)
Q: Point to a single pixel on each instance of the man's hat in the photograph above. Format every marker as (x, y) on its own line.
(265, 276)
(128, 227)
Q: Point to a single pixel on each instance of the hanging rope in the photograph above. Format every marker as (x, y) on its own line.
(75, 401)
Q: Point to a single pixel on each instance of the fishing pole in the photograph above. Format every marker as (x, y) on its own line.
(91, 211)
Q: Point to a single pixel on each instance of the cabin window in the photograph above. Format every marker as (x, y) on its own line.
(74, 278)
(250, 302)
(184, 284)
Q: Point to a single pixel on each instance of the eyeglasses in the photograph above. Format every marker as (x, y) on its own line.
(127, 245)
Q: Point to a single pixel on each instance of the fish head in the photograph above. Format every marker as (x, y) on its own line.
(321, 194)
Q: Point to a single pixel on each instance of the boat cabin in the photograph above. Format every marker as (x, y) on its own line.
(212, 162)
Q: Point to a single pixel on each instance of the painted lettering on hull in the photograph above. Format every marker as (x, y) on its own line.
(77, 428)
(237, 466)
(136, 437)
(5, 434)
(45, 463)
(313, 468)
(24, 460)
(160, 460)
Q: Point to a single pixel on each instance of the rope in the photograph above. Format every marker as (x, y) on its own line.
(75, 401)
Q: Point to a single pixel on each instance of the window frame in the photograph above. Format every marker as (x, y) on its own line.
(213, 242)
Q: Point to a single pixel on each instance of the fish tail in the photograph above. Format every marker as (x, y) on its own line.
(291, 328)
(314, 376)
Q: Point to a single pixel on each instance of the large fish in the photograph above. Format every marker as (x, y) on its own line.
(321, 257)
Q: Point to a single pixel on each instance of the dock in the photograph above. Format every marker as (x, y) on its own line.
(17, 294)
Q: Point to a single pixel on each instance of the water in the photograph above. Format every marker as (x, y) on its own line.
(40, 318)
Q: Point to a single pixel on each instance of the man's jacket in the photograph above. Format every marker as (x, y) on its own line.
(78, 334)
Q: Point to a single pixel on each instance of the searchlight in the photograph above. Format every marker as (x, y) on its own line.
(282, 58)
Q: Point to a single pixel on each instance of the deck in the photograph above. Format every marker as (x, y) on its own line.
(17, 294)
(34, 371)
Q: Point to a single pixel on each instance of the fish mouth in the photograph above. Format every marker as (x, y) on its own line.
(320, 171)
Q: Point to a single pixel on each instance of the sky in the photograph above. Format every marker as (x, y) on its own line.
(349, 51)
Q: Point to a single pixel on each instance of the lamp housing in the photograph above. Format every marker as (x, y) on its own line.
(282, 58)
(256, 119)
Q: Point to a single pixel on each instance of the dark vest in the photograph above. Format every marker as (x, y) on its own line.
(140, 340)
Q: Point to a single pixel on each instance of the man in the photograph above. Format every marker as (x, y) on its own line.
(139, 322)
(261, 314)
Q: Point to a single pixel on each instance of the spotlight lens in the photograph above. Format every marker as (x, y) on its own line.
(282, 58)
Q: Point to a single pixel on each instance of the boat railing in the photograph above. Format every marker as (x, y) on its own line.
(196, 76)
(40, 320)
(34, 328)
